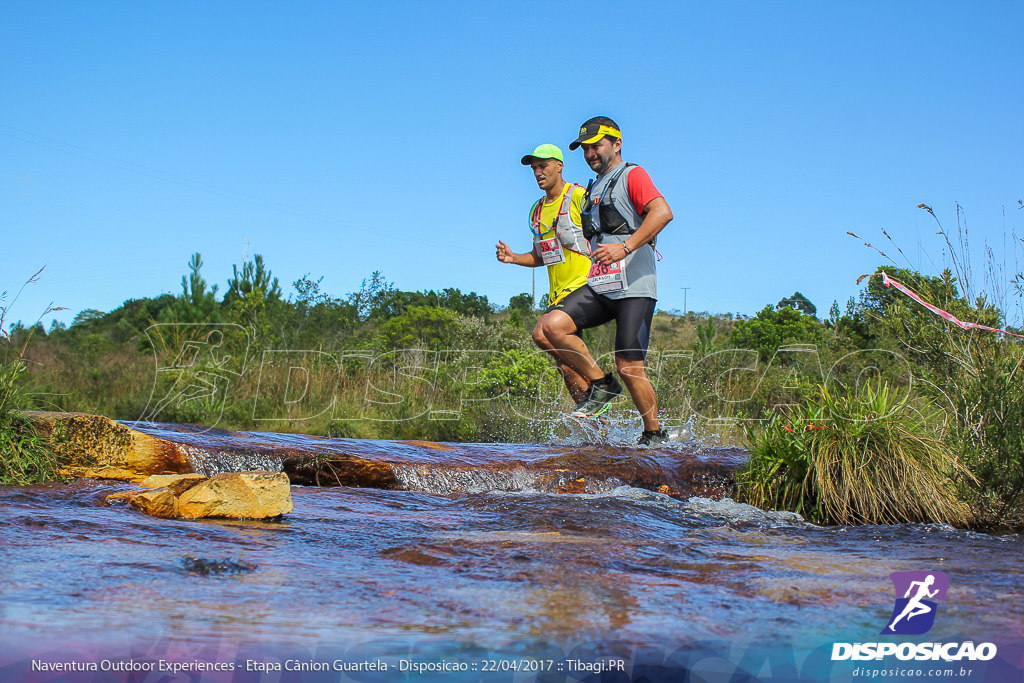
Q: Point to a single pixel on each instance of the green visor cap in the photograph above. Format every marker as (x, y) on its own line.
(545, 151)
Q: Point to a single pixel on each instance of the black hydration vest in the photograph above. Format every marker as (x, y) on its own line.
(612, 222)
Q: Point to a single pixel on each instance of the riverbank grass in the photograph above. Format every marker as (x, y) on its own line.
(26, 456)
(861, 457)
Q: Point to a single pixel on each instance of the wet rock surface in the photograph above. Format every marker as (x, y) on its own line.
(680, 470)
(234, 495)
(157, 502)
(241, 495)
(178, 483)
(96, 446)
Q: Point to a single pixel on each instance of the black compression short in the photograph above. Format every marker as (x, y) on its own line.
(558, 307)
(632, 318)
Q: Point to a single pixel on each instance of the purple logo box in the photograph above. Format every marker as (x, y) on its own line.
(917, 596)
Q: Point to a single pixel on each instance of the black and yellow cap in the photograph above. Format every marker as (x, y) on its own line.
(592, 131)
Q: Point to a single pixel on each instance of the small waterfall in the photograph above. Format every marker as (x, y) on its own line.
(439, 480)
(209, 462)
(594, 457)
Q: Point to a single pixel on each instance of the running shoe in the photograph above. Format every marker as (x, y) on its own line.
(599, 396)
(652, 437)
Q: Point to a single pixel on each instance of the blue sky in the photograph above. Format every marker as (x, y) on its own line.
(341, 138)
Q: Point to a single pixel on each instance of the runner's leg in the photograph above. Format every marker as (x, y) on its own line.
(635, 378)
(582, 309)
(575, 383)
(560, 331)
(632, 335)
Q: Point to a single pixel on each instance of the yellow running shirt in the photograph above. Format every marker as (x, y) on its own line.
(571, 273)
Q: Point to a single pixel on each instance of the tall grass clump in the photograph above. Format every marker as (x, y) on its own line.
(26, 456)
(860, 457)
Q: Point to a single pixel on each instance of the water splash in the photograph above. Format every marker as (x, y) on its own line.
(616, 430)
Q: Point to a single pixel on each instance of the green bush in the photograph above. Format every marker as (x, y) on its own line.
(975, 375)
(864, 457)
(991, 429)
(775, 327)
(520, 374)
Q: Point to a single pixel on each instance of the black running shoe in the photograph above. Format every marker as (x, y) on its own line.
(652, 437)
(599, 396)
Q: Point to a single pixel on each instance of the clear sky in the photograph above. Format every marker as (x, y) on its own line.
(336, 139)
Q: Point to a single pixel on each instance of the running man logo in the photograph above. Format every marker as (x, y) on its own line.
(197, 365)
(914, 612)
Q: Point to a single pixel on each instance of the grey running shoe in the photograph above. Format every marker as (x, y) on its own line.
(599, 396)
(652, 437)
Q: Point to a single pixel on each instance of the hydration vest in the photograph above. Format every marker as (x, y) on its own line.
(611, 220)
(563, 226)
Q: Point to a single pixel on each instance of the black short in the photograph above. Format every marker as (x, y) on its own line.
(558, 307)
(632, 318)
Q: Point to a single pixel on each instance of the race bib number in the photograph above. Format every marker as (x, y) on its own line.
(551, 251)
(607, 277)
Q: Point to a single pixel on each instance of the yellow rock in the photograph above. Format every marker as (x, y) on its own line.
(177, 483)
(240, 495)
(118, 473)
(96, 446)
(157, 502)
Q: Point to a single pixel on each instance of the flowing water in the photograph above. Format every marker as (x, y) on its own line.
(454, 564)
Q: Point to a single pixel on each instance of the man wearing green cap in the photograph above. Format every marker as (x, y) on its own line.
(558, 243)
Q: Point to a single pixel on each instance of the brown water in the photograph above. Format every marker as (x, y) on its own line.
(478, 568)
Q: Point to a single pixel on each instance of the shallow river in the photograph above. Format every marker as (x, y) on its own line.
(624, 584)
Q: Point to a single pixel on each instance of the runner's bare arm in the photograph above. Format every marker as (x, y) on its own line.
(506, 255)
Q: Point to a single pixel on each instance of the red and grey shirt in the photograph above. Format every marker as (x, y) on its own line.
(630, 195)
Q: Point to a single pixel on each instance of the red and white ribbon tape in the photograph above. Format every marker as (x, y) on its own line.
(889, 282)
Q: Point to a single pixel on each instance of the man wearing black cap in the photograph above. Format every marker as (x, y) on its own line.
(558, 243)
(622, 214)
